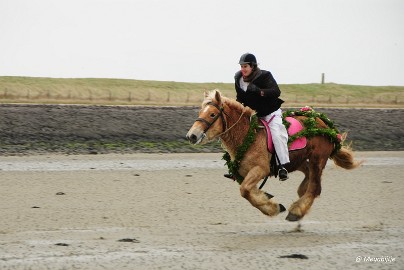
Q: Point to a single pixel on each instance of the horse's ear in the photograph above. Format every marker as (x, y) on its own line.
(218, 97)
(206, 94)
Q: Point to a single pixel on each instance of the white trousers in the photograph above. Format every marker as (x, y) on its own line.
(279, 135)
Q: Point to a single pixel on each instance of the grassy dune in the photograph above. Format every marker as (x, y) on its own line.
(140, 92)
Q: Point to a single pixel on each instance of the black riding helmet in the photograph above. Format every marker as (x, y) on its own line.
(248, 58)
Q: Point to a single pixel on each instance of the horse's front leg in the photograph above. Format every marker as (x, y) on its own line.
(259, 199)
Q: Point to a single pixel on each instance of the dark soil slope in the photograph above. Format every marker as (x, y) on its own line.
(27, 129)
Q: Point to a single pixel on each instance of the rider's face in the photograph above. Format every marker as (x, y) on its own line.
(246, 69)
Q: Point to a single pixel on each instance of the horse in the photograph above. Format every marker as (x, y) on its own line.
(228, 120)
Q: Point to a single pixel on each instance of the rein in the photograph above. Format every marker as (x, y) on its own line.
(225, 131)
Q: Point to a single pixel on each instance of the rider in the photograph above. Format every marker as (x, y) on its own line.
(258, 90)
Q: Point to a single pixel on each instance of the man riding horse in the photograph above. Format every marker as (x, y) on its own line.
(257, 89)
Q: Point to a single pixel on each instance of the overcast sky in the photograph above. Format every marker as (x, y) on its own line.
(352, 41)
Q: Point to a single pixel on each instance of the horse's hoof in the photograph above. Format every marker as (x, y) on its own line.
(269, 196)
(293, 217)
(281, 208)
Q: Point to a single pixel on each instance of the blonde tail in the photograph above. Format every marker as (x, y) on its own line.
(344, 159)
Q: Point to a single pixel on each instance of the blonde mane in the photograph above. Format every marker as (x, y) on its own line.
(231, 103)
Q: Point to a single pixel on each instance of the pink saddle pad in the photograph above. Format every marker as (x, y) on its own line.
(295, 127)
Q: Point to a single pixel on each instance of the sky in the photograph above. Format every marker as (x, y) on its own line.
(358, 42)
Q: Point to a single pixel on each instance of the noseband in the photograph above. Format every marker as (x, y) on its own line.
(220, 114)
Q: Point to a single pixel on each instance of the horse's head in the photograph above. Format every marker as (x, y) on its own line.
(210, 122)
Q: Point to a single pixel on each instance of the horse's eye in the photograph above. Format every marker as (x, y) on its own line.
(212, 115)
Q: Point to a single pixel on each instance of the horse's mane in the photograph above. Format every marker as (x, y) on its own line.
(232, 103)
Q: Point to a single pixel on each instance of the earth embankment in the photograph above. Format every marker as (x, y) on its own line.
(83, 129)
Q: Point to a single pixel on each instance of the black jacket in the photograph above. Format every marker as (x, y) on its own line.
(262, 84)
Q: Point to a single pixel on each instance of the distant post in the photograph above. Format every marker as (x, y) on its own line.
(322, 78)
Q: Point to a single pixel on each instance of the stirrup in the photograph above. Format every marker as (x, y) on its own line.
(283, 174)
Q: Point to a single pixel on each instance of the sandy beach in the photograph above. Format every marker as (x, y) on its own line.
(176, 211)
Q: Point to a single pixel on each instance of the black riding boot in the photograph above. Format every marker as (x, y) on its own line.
(229, 175)
(283, 173)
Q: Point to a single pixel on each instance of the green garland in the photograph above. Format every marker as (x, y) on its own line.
(309, 131)
(234, 166)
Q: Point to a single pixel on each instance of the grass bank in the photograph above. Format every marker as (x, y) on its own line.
(141, 92)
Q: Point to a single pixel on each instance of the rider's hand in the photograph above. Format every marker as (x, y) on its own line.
(253, 88)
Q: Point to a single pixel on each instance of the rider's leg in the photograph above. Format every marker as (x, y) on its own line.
(280, 140)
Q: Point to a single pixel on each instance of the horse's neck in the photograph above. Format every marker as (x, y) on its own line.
(236, 134)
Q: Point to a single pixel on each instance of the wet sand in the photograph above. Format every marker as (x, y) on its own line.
(176, 211)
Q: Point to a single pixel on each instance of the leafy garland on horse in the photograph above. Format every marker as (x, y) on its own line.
(310, 130)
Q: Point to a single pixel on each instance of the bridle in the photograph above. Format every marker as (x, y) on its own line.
(220, 114)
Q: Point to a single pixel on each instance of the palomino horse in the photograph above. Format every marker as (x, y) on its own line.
(229, 120)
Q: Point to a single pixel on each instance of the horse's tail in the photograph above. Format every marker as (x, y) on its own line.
(344, 158)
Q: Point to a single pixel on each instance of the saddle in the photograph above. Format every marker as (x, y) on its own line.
(300, 143)
(295, 127)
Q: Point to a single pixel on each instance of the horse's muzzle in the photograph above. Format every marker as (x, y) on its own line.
(195, 137)
(192, 138)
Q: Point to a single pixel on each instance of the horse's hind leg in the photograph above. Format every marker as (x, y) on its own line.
(259, 199)
(308, 190)
(304, 168)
